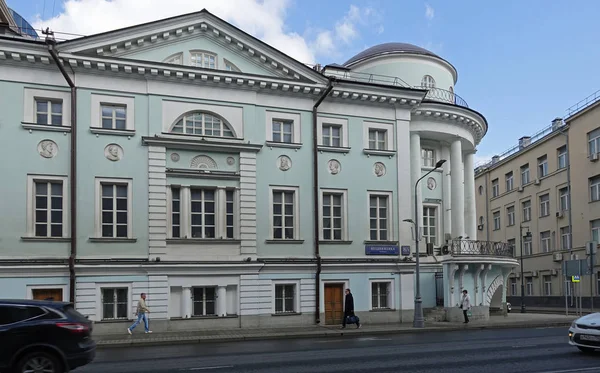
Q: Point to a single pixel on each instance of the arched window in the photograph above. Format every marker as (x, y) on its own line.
(481, 190)
(230, 66)
(176, 59)
(202, 124)
(203, 59)
(428, 82)
(481, 220)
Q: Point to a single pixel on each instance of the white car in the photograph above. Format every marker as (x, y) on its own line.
(584, 333)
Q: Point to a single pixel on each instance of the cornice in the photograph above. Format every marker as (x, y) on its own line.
(201, 144)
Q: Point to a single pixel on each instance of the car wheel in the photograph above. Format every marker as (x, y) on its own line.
(36, 362)
(586, 350)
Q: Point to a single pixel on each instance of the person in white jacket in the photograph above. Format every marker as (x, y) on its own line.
(465, 304)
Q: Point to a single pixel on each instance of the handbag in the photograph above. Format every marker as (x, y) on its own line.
(353, 319)
(469, 313)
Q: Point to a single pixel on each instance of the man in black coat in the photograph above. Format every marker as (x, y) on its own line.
(349, 309)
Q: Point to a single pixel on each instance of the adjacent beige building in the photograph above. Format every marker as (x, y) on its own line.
(526, 189)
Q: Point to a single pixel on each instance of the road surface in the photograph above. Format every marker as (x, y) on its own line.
(543, 350)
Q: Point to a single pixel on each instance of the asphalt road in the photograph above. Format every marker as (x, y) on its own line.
(503, 351)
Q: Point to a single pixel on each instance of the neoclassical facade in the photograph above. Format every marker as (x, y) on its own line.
(234, 185)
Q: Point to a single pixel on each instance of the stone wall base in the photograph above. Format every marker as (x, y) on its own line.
(455, 314)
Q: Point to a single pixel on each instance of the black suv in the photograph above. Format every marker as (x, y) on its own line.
(43, 336)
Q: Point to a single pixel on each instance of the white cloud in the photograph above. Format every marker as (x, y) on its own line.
(479, 159)
(264, 19)
(429, 12)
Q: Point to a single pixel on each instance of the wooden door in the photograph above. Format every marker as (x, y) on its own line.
(48, 294)
(334, 304)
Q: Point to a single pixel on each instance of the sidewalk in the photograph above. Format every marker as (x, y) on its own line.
(528, 320)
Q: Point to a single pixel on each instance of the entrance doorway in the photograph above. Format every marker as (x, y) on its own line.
(334, 304)
(48, 294)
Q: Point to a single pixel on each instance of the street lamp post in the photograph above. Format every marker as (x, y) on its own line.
(528, 234)
(419, 320)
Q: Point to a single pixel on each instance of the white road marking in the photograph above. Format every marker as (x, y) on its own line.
(596, 369)
(520, 346)
(373, 339)
(208, 368)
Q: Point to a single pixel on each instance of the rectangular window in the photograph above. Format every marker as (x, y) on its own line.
(283, 131)
(565, 238)
(495, 188)
(114, 117)
(496, 220)
(545, 241)
(509, 181)
(175, 212)
(332, 135)
(285, 298)
(115, 303)
(380, 295)
(284, 214)
(379, 215)
(544, 205)
(48, 112)
(595, 188)
(562, 157)
(594, 142)
(527, 246)
(377, 139)
(48, 204)
(333, 216)
(595, 234)
(542, 166)
(428, 157)
(203, 301)
(510, 215)
(203, 59)
(203, 213)
(547, 285)
(529, 286)
(525, 174)
(513, 286)
(512, 243)
(526, 210)
(564, 199)
(430, 224)
(115, 208)
(230, 214)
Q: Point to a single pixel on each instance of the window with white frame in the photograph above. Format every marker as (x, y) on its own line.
(48, 111)
(527, 245)
(563, 194)
(545, 241)
(333, 216)
(512, 243)
(175, 211)
(526, 205)
(562, 157)
(544, 205)
(331, 135)
(595, 188)
(203, 213)
(283, 131)
(48, 206)
(513, 286)
(176, 59)
(115, 303)
(496, 217)
(428, 82)
(430, 224)
(594, 142)
(380, 295)
(379, 216)
(529, 286)
(202, 124)
(204, 301)
(565, 238)
(547, 285)
(428, 157)
(595, 234)
(525, 174)
(378, 139)
(230, 66)
(114, 117)
(203, 59)
(510, 216)
(509, 181)
(285, 298)
(542, 166)
(115, 208)
(284, 214)
(495, 188)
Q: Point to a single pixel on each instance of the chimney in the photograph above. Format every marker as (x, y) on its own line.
(317, 67)
(495, 159)
(557, 123)
(524, 142)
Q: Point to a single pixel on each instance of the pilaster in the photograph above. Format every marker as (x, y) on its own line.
(157, 201)
(248, 203)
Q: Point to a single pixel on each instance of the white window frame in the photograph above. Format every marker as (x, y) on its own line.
(427, 81)
(230, 66)
(496, 219)
(204, 302)
(194, 52)
(339, 122)
(542, 166)
(595, 230)
(513, 286)
(509, 181)
(389, 130)
(98, 208)
(565, 238)
(562, 157)
(297, 296)
(132, 304)
(428, 157)
(529, 286)
(31, 180)
(48, 113)
(172, 58)
(437, 224)
(525, 175)
(29, 106)
(296, 128)
(344, 193)
(563, 199)
(189, 118)
(594, 188)
(544, 205)
(545, 242)
(390, 230)
(510, 216)
(495, 188)
(547, 285)
(527, 245)
(526, 209)
(594, 142)
(96, 112)
(391, 305)
(296, 226)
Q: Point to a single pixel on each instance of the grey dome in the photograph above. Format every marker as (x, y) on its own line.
(388, 48)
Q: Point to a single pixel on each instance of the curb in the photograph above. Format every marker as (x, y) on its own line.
(134, 342)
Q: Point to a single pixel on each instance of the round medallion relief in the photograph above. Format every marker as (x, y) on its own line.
(379, 169)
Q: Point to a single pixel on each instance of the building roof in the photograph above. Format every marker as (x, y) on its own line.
(387, 48)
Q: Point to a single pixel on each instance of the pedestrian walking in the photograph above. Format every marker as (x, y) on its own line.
(142, 314)
(349, 316)
(465, 304)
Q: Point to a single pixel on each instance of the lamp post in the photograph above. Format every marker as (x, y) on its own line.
(528, 234)
(419, 321)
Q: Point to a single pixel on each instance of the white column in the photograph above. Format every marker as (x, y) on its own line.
(415, 173)
(186, 303)
(458, 193)
(221, 229)
(470, 213)
(185, 208)
(222, 301)
(446, 195)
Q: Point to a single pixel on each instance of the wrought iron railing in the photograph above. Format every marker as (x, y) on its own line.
(442, 95)
(487, 248)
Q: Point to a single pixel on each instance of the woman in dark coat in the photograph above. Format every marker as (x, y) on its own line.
(349, 309)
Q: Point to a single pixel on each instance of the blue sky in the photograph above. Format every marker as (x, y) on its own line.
(520, 63)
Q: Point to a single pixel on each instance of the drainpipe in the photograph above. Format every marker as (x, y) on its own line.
(316, 217)
(72, 180)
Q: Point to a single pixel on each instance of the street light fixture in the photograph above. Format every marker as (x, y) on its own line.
(527, 235)
(419, 320)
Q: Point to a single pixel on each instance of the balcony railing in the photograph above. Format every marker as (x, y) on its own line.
(442, 95)
(477, 248)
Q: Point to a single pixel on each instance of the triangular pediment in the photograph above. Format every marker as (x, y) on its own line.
(187, 38)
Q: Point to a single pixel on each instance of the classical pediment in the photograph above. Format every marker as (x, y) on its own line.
(196, 38)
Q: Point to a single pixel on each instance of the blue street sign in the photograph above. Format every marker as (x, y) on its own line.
(405, 250)
(382, 250)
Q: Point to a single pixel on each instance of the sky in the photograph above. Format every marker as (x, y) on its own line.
(520, 63)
